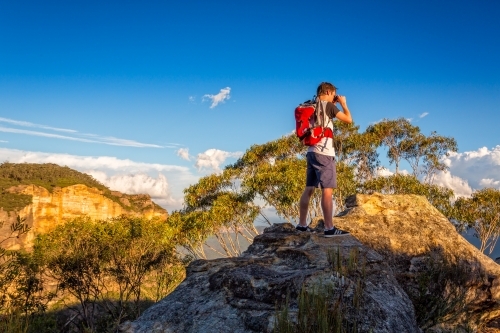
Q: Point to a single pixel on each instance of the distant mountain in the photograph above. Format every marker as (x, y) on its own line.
(48, 194)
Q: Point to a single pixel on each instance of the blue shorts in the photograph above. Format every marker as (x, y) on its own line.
(321, 171)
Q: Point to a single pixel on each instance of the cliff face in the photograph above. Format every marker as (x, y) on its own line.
(49, 209)
(403, 268)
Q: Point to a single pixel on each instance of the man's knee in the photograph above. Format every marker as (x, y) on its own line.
(327, 190)
(308, 191)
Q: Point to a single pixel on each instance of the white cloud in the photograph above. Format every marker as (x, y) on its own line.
(459, 186)
(3, 141)
(140, 183)
(134, 183)
(488, 182)
(385, 172)
(220, 97)
(213, 158)
(191, 99)
(184, 154)
(423, 114)
(123, 175)
(479, 168)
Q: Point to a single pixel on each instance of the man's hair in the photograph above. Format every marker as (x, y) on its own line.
(324, 87)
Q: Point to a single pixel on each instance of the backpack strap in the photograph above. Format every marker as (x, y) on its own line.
(322, 112)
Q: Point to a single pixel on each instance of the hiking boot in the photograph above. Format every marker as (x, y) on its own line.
(301, 228)
(335, 232)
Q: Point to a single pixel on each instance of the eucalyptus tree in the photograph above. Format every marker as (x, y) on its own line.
(395, 135)
(481, 213)
(437, 148)
(425, 154)
(274, 174)
(215, 206)
(105, 266)
(356, 150)
(21, 277)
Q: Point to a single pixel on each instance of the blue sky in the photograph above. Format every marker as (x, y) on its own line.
(150, 96)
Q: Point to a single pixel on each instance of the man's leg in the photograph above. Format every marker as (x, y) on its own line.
(304, 205)
(327, 207)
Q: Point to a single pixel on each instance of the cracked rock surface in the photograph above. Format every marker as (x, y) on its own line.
(395, 240)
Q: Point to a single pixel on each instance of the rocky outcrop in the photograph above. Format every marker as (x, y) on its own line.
(48, 209)
(403, 268)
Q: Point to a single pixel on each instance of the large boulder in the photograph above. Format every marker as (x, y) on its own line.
(423, 247)
(403, 268)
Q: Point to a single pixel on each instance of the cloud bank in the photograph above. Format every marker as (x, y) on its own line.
(140, 183)
(481, 168)
(460, 186)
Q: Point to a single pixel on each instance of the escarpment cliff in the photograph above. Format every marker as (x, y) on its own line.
(403, 268)
(48, 209)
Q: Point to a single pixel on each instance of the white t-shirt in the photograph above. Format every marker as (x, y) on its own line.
(325, 146)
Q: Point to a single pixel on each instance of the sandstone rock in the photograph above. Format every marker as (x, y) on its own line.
(407, 230)
(240, 294)
(49, 209)
(414, 271)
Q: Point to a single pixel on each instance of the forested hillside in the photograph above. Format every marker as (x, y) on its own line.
(50, 176)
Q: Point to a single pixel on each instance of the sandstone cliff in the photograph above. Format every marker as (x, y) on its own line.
(412, 272)
(47, 209)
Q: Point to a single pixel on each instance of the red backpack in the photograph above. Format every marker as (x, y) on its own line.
(311, 123)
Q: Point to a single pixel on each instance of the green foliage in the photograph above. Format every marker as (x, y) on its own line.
(405, 141)
(394, 134)
(112, 268)
(21, 285)
(13, 202)
(279, 184)
(425, 154)
(45, 175)
(481, 212)
(356, 150)
(215, 207)
(107, 266)
(223, 205)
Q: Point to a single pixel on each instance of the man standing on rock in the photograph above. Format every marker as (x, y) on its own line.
(321, 168)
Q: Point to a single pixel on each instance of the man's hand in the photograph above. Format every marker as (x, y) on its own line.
(342, 100)
(345, 115)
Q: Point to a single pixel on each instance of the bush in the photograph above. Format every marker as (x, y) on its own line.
(107, 266)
